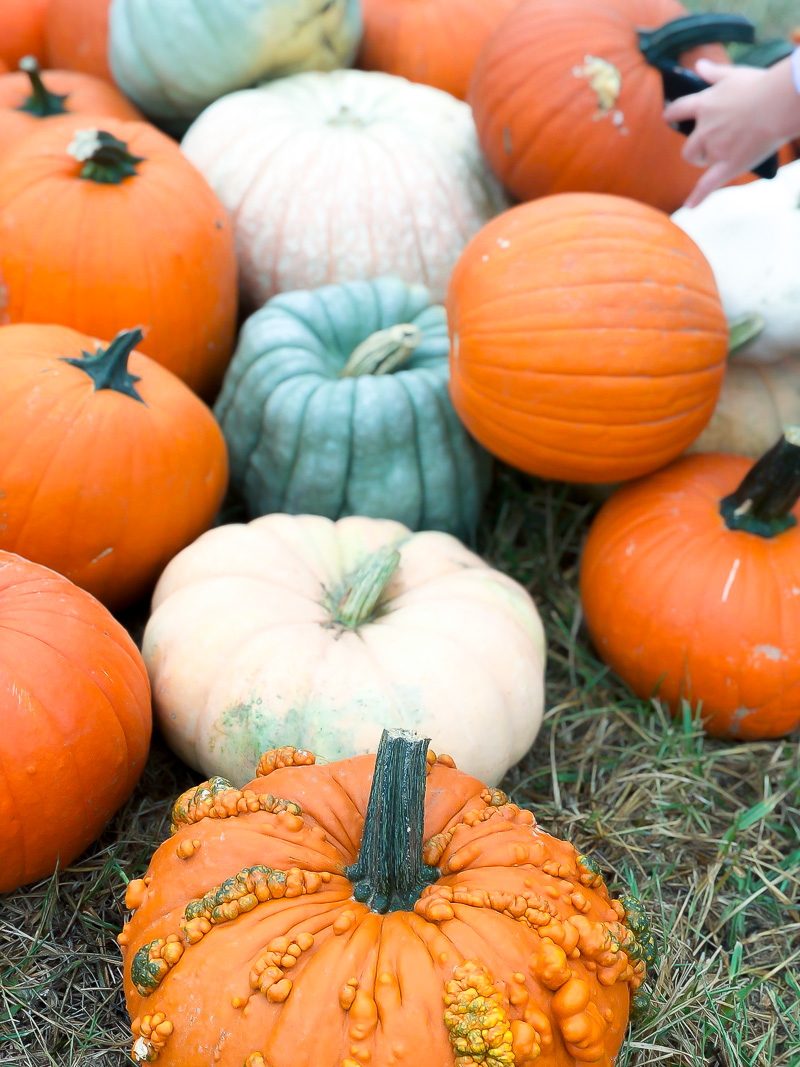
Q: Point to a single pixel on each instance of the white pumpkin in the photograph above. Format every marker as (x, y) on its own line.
(750, 235)
(295, 630)
(174, 57)
(345, 176)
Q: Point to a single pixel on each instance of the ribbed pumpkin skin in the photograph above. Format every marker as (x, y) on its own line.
(85, 96)
(345, 176)
(540, 122)
(75, 708)
(174, 59)
(22, 29)
(77, 36)
(304, 440)
(155, 251)
(100, 487)
(588, 339)
(682, 607)
(435, 42)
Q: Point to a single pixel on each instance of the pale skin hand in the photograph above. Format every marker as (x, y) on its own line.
(745, 116)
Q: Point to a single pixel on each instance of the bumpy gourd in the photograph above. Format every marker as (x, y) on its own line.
(336, 404)
(375, 915)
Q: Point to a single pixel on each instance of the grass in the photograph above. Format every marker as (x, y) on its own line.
(773, 18)
(706, 832)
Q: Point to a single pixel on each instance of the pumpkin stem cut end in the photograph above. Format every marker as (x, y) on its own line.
(390, 873)
(764, 501)
(41, 103)
(384, 351)
(105, 159)
(108, 368)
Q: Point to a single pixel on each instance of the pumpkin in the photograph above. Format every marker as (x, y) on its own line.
(109, 465)
(588, 341)
(102, 229)
(690, 582)
(363, 910)
(566, 96)
(336, 404)
(75, 708)
(28, 97)
(750, 236)
(434, 41)
(22, 28)
(299, 627)
(77, 36)
(344, 176)
(175, 59)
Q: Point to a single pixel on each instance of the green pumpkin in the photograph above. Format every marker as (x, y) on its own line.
(336, 403)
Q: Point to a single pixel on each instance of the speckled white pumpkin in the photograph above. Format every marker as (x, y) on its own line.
(345, 176)
(295, 630)
(174, 57)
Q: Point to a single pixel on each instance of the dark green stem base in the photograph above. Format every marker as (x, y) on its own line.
(108, 368)
(763, 502)
(668, 42)
(390, 873)
(105, 159)
(41, 103)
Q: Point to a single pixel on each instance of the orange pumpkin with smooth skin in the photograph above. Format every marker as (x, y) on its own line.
(105, 482)
(22, 29)
(683, 607)
(75, 709)
(431, 41)
(154, 250)
(354, 913)
(77, 36)
(588, 340)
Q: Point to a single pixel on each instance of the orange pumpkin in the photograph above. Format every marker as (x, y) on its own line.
(22, 29)
(77, 36)
(565, 99)
(431, 41)
(27, 97)
(101, 230)
(109, 465)
(588, 341)
(691, 583)
(356, 913)
(75, 709)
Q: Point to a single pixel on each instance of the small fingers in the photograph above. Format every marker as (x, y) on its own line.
(714, 178)
(683, 108)
(712, 72)
(694, 150)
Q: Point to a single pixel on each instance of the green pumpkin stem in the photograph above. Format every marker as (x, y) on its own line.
(105, 159)
(390, 873)
(668, 42)
(359, 600)
(744, 329)
(41, 103)
(108, 368)
(763, 502)
(384, 351)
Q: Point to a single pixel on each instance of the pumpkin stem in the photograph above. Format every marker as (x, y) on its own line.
(108, 368)
(105, 159)
(666, 44)
(357, 603)
(744, 329)
(390, 874)
(41, 103)
(763, 502)
(384, 351)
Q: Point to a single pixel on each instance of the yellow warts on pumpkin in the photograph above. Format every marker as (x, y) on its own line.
(217, 799)
(436, 904)
(604, 80)
(476, 1019)
(283, 757)
(151, 1034)
(267, 975)
(153, 962)
(497, 805)
(443, 761)
(186, 849)
(135, 893)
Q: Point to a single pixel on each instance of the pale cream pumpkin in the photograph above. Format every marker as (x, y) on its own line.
(345, 176)
(298, 630)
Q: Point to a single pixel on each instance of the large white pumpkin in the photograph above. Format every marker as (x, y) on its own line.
(295, 630)
(174, 57)
(345, 176)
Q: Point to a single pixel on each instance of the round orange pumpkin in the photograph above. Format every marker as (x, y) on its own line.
(102, 229)
(28, 97)
(691, 589)
(355, 913)
(588, 340)
(77, 36)
(565, 98)
(109, 465)
(75, 709)
(22, 29)
(431, 41)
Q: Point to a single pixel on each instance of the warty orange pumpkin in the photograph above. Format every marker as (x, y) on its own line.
(588, 340)
(105, 224)
(75, 709)
(361, 913)
(690, 584)
(77, 36)
(109, 465)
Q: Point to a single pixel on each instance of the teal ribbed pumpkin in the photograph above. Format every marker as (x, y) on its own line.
(336, 404)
